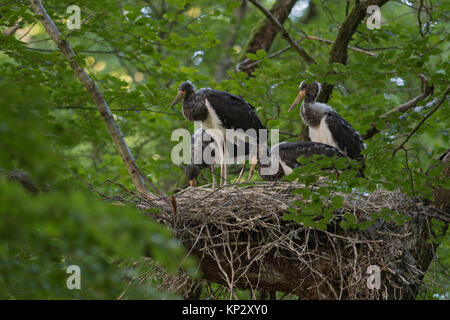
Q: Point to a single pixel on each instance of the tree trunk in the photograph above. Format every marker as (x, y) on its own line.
(264, 32)
(114, 131)
(338, 52)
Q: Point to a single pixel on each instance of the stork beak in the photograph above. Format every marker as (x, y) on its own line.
(192, 183)
(178, 98)
(300, 96)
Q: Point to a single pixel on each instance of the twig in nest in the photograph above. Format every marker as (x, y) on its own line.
(243, 242)
(173, 206)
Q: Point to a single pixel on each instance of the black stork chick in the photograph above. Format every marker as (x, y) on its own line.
(218, 111)
(289, 152)
(326, 125)
(201, 140)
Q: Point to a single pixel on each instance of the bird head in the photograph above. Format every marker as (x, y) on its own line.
(310, 91)
(192, 172)
(185, 89)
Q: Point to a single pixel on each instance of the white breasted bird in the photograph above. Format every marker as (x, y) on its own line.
(290, 152)
(326, 125)
(218, 111)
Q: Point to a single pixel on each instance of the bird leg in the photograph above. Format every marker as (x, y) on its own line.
(253, 162)
(225, 161)
(219, 149)
(213, 172)
(221, 144)
(244, 166)
(221, 174)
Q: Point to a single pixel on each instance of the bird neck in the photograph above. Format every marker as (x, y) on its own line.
(190, 92)
(194, 108)
(189, 102)
(310, 98)
(190, 96)
(311, 113)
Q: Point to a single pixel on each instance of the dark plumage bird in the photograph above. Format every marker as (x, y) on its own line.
(326, 125)
(218, 111)
(289, 152)
(201, 140)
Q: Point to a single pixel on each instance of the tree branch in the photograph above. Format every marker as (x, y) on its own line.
(263, 34)
(444, 95)
(338, 52)
(13, 29)
(441, 194)
(114, 110)
(427, 90)
(243, 66)
(114, 131)
(279, 27)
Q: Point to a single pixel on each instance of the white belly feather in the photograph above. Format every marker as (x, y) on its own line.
(286, 169)
(322, 134)
(212, 121)
(214, 127)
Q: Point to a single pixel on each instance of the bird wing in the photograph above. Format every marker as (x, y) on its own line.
(346, 137)
(233, 111)
(289, 152)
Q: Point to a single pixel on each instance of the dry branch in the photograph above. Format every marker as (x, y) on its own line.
(349, 47)
(136, 175)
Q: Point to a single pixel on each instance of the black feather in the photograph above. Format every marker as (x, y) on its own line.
(233, 111)
(289, 152)
(346, 137)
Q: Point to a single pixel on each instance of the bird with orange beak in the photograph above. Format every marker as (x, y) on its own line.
(326, 125)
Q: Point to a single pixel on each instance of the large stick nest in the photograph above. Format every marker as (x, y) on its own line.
(243, 242)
